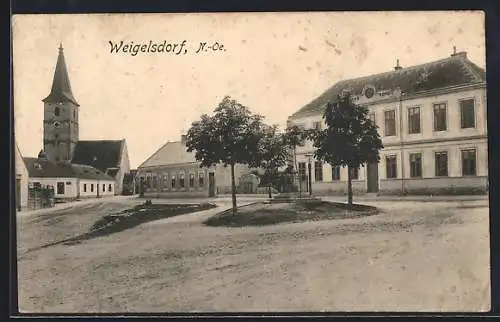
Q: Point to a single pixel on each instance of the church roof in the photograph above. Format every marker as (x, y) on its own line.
(169, 154)
(61, 87)
(101, 154)
(455, 70)
(43, 168)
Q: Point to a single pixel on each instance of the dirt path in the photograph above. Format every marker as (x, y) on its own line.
(414, 257)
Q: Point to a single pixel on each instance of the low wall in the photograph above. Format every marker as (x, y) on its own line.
(435, 186)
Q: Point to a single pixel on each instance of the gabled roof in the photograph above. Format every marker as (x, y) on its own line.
(169, 154)
(61, 87)
(101, 154)
(455, 70)
(42, 168)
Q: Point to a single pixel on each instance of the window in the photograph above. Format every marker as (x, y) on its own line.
(317, 125)
(302, 170)
(37, 185)
(355, 173)
(371, 116)
(173, 182)
(441, 164)
(390, 122)
(318, 171)
(103, 187)
(84, 187)
(60, 188)
(440, 117)
(391, 167)
(335, 173)
(469, 162)
(165, 180)
(414, 120)
(91, 187)
(468, 118)
(155, 182)
(57, 111)
(201, 179)
(415, 165)
(74, 114)
(181, 180)
(110, 187)
(148, 181)
(191, 180)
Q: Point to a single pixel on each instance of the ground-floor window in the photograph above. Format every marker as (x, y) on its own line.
(335, 173)
(469, 162)
(60, 188)
(355, 173)
(191, 180)
(415, 165)
(91, 187)
(302, 170)
(155, 182)
(201, 179)
(181, 180)
(318, 171)
(441, 164)
(103, 187)
(110, 187)
(173, 182)
(84, 187)
(391, 167)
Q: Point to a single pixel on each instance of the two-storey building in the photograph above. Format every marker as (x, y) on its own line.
(432, 121)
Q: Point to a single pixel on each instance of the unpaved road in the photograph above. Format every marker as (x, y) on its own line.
(414, 257)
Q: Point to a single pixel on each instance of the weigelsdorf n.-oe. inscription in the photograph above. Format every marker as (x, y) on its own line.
(176, 48)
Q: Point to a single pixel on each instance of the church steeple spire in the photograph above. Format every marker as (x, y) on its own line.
(61, 87)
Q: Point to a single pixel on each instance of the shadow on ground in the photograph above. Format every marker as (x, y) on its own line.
(265, 213)
(130, 218)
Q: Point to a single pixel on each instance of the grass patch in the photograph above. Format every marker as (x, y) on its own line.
(130, 218)
(262, 214)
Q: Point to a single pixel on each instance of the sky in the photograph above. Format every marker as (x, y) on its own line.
(274, 63)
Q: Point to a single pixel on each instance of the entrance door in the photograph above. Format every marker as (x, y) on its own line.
(18, 193)
(372, 177)
(211, 184)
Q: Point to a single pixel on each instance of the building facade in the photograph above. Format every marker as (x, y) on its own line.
(432, 121)
(61, 126)
(69, 181)
(173, 172)
(22, 177)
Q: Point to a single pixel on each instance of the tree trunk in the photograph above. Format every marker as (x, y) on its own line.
(233, 190)
(349, 187)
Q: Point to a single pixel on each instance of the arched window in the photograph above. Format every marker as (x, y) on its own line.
(57, 111)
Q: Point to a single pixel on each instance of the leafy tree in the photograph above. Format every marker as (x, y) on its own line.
(294, 137)
(231, 136)
(272, 154)
(350, 138)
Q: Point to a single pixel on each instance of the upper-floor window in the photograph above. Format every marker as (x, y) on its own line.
(317, 125)
(469, 162)
(57, 111)
(415, 165)
(302, 169)
(467, 112)
(318, 171)
(441, 164)
(414, 120)
(335, 173)
(391, 167)
(440, 117)
(390, 122)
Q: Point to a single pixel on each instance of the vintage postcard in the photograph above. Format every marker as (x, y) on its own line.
(251, 162)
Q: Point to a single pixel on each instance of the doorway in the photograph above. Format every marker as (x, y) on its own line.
(372, 177)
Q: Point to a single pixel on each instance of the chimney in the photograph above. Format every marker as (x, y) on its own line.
(462, 54)
(397, 67)
(183, 139)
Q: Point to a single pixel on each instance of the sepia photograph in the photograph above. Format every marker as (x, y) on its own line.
(251, 162)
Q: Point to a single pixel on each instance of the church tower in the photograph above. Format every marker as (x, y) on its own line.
(60, 124)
